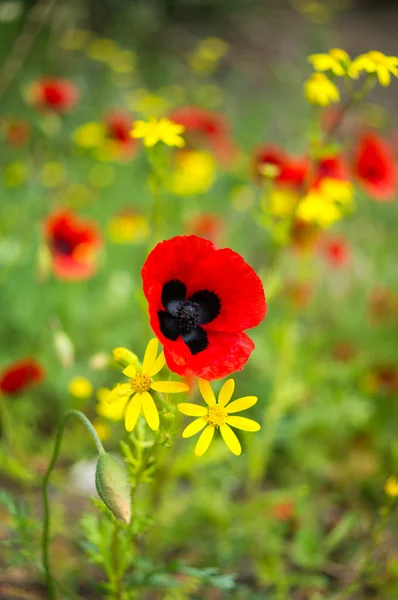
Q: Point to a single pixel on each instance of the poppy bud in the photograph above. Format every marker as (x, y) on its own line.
(124, 357)
(113, 486)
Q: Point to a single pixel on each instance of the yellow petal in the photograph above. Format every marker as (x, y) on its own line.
(230, 439)
(383, 76)
(169, 387)
(122, 389)
(241, 404)
(194, 427)
(150, 411)
(132, 412)
(192, 410)
(204, 441)
(150, 355)
(130, 371)
(207, 392)
(158, 366)
(243, 423)
(226, 392)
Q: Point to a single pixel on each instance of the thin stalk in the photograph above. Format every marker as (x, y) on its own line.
(51, 587)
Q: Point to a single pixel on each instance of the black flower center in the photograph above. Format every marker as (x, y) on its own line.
(184, 316)
(62, 246)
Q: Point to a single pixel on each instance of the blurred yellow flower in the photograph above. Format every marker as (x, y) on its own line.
(320, 90)
(324, 204)
(113, 412)
(137, 390)
(52, 174)
(207, 56)
(280, 202)
(375, 62)
(194, 173)
(15, 174)
(102, 429)
(391, 487)
(337, 61)
(89, 135)
(159, 130)
(74, 39)
(339, 190)
(128, 229)
(80, 387)
(217, 414)
(103, 50)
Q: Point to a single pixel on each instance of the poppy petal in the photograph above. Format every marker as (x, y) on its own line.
(230, 439)
(168, 325)
(196, 340)
(204, 441)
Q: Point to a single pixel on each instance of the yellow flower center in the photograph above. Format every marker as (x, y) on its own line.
(216, 415)
(140, 383)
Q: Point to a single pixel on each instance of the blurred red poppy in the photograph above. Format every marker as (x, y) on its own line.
(73, 244)
(200, 301)
(291, 172)
(336, 251)
(208, 128)
(54, 94)
(118, 128)
(333, 166)
(375, 168)
(17, 131)
(20, 375)
(207, 225)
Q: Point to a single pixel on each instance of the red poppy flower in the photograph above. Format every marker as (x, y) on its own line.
(291, 172)
(20, 375)
(206, 127)
(208, 225)
(73, 245)
(336, 251)
(200, 301)
(375, 168)
(118, 127)
(52, 93)
(333, 167)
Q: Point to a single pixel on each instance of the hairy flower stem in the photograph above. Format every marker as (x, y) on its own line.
(46, 527)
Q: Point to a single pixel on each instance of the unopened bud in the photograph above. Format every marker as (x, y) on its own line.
(124, 357)
(113, 487)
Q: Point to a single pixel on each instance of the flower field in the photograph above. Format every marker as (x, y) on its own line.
(198, 306)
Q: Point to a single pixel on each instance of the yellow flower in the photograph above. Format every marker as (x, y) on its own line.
(281, 202)
(159, 130)
(137, 389)
(337, 61)
(206, 57)
(103, 50)
(128, 229)
(318, 208)
(217, 415)
(375, 62)
(89, 135)
(194, 173)
(113, 412)
(52, 174)
(320, 90)
(80, 387)
(102, 429)
(391, 487)
(339, 190)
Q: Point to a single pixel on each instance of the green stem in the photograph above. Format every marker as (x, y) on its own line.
(46, 528)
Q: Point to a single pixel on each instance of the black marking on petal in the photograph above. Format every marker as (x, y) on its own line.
(196, 340)
(209, 304)
(173, 293)
(168, 325)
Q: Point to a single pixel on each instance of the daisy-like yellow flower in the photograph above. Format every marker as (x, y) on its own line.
(113, 412)
(137, 390)
(159, 130)
(336, 60)
(325, 204)
(217, 414)
(194, 173)
(80, 387)
(320, 90)
(391, 487)
(375, 62)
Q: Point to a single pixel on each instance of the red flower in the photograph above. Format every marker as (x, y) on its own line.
(118, 127)
(208, 225)
(333, 167)
(206, 127)
(17, 132)
(336, 251)
(59, 95)
(20, 375)
(292, 172)
(200, 301)
(375, 168)
(73, 245)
